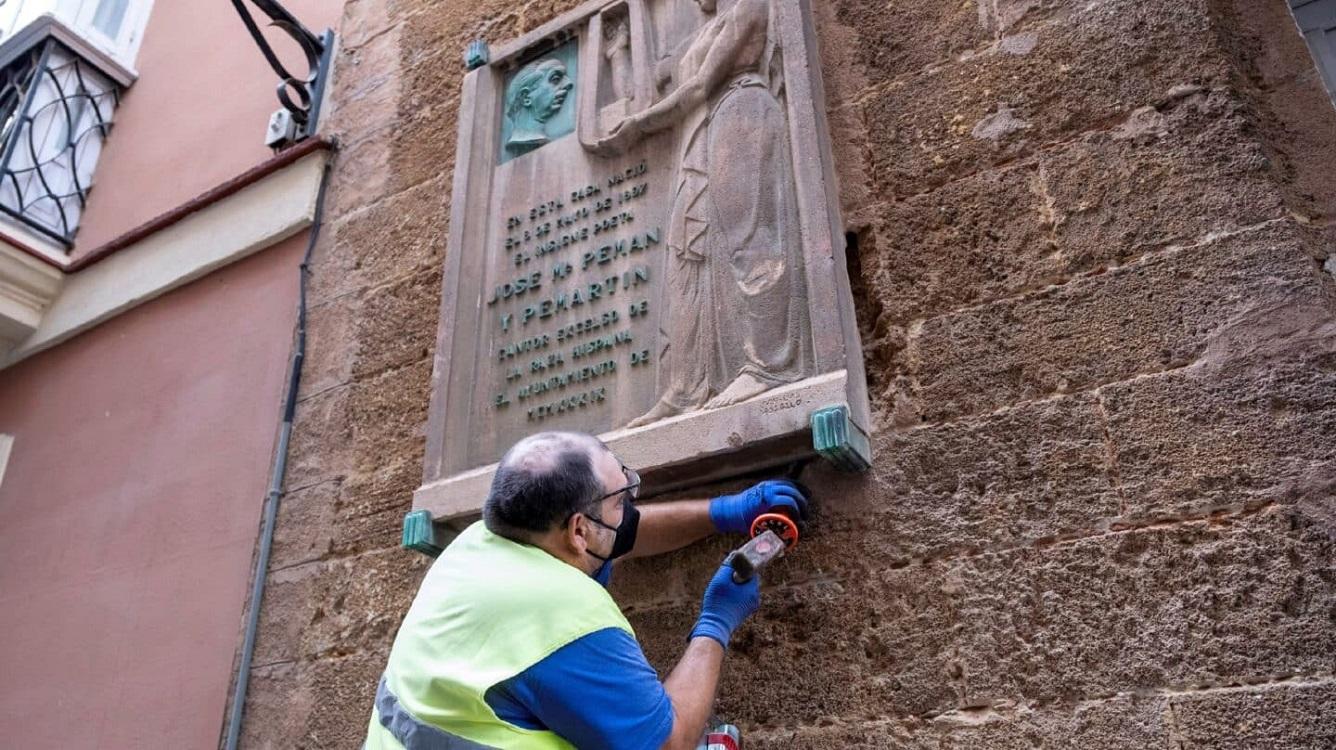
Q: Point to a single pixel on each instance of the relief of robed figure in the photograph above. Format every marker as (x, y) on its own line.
(737, 322)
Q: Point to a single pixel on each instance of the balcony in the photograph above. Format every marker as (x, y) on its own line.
(58, 95)
(57, 99)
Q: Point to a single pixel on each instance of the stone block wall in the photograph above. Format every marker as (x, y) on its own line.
(1091, 257)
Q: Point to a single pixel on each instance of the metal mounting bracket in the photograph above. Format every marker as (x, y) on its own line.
(420, 534)
(477, 54)
(840, 440)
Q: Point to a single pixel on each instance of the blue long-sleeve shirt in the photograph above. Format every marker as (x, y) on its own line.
(597, 692)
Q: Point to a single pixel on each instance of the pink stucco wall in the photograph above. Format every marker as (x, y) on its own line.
(195, 118)
(129, 511)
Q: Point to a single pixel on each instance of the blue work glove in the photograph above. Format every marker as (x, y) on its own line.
(733, 514)
(726, 605)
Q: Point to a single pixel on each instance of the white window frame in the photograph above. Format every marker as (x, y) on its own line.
(78, 15)
(125, 46)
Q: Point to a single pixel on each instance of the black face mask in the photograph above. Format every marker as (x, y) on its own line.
(626, 533)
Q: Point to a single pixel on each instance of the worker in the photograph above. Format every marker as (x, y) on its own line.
(513, 640)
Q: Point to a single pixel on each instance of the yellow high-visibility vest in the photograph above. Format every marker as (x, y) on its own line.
(488, 609)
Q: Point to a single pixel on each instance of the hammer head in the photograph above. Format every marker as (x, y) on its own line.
(754, 555)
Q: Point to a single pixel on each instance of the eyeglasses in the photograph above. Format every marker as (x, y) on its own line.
(631, 490)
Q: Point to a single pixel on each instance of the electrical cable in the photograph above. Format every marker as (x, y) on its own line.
(276, 476)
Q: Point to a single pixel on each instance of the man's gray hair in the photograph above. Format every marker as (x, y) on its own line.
(540, 482)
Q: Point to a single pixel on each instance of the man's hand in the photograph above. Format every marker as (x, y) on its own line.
(726, 605)
(733, 514)
(691, 685)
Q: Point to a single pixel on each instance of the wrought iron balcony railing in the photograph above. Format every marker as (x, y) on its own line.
(56, 110)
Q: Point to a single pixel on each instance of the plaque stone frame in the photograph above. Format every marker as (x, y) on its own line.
(771, 429)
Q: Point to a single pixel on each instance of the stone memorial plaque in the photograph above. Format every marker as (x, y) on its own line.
(644, 244)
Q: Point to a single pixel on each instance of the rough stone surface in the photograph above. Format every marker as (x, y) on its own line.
(1156, 314)
(294, 703)
(336, 607)
(1084, 71)
(1173, 174)
(1274, 70)
(388, 240)
(330, 339)
(1097, 725)
(278, 703)
(1195, 604)
(1208, 438)
(983, 237)
(321, 435)
(897, 37)
(1295, 716)
(381, 348)
(1039, 471)
(307, 524)
(278, 639)
(387, 416)
(1088, 274)
(370, 86)
(370, 507)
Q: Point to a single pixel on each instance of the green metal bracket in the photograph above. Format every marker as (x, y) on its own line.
(840, 440)
(420, 533)
(476, 55)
